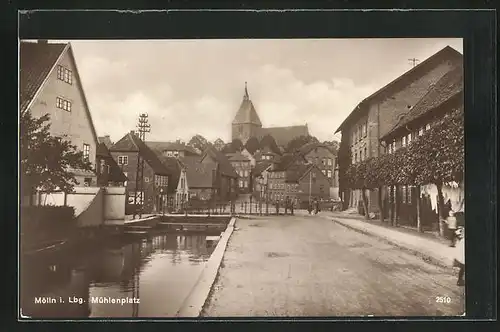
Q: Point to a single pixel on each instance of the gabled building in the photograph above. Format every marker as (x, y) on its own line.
(247, 124)
(260, 179)
(378, 113)
(443, 98)
(323, 157)
(202, 178)
(50, 84)
(106, 140)
(126, 152)
(178, 187)
(225, 177)
(243, 167)
(108, 171)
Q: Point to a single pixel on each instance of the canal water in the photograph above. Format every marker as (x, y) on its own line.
(139, 278)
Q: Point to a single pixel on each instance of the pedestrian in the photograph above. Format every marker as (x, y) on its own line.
(277, 207)
(286, 204)
(292, 202)
(451, 221)
(309, 207)
(317, 206)
(459, 260)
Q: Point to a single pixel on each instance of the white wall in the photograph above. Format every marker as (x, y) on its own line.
(114, 204)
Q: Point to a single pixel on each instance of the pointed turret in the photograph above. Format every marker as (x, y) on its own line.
(247, 113)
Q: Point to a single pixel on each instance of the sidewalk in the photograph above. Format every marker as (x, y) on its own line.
(428, 246)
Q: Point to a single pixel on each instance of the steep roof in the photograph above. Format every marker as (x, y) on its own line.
(171, 146)
(283, 162)
(405, 79)
(247, 113)
(295, 173)
(283, 135)
(131, 143)
(449, 86)
(115, 172)
(106, 140)
(199, 175)
(306, 148)
(224, 164)
(237, 156)
(36, 61)
(174, 167)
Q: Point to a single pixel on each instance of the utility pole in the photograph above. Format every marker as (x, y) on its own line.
(143, 127)
(414, 61)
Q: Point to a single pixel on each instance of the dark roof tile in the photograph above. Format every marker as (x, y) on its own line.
(35, 63)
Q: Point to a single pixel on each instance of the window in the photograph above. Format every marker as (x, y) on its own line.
(87, 182)
(428, 126)
(329, 173)
(146, 179)
(245, 184)
(409, 194)
(366, 153)
(408, 138)
(330, 162)
(404, 141)
(86, 152)
(404, 194)
(64, 74)
(182, 183)
(123, 160)
(63, 104)
(241, 184)
(421, 131)
(323, 171)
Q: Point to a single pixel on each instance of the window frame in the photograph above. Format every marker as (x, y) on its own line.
(123, 158)
(65, 74)
(63, 104)
(86, 152)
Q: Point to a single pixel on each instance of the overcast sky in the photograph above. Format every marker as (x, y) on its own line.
(193, 87)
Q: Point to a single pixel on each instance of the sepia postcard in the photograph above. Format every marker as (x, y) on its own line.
(223, 178)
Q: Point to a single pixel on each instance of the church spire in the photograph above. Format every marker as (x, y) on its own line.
(246, 97)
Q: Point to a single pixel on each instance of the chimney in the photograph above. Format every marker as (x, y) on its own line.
(132, 132)
(42, 41)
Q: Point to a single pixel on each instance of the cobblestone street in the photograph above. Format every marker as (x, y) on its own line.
(311, 266)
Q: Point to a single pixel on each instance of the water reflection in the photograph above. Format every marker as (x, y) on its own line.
(142, 278)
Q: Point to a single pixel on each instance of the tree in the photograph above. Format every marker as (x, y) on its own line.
(252, 145)
(46, 160)
(270, 142)
(436, 157)
(219, 144)
(298, 142)
(198, 142)
(334, 145)
(235, 146)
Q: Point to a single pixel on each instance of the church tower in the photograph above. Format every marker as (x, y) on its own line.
(246, 123)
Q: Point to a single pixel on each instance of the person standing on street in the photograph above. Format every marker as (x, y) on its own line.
(459, 260)
(317, 206)
(451, 221)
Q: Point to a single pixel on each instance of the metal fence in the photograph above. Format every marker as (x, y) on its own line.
(250, 207)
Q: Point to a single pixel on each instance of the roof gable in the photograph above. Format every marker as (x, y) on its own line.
(116, 173)
(171, 146)
(447, 53)
(199, 175)
(224, 163)
(37, 61)
(448, 87)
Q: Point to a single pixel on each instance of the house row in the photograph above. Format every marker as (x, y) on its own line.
(397, 114)
(173, 175)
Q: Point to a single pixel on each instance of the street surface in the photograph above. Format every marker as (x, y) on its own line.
(307, 265)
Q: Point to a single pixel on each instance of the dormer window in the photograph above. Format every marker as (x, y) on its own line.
(64, 74)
